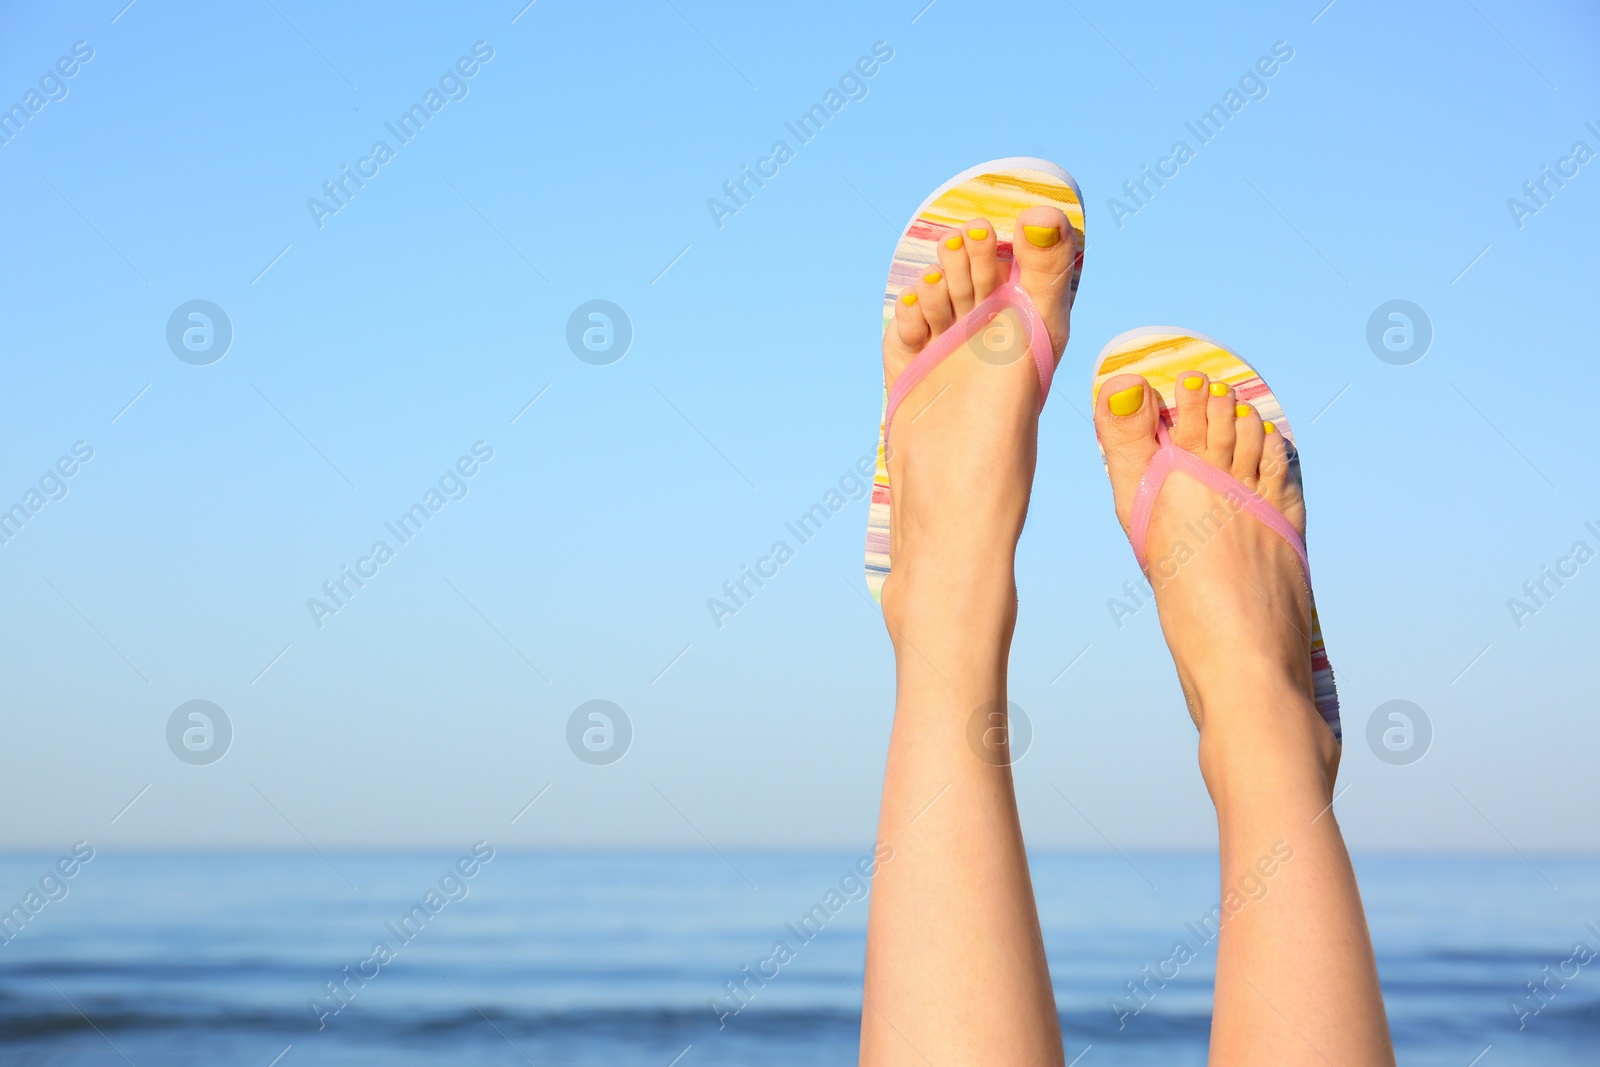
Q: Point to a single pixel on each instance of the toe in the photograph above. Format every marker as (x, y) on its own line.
(1043, 244)
(1247, 443)
(933, 297)
(1277, 480)
(1220, 431)
(1126, 412)
(984, 257)
(953, 261)
(1189, 423)
(906, 338)
(1042, 241)
(1272, 469)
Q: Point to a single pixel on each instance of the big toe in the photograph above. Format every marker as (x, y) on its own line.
(1044, 245)
(1126, 413)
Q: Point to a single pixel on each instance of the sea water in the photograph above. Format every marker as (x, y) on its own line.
(670, 959)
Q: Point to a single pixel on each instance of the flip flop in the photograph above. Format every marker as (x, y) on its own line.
(998, 191)
(1161, 354)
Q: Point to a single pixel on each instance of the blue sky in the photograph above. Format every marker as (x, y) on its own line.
(372, 352)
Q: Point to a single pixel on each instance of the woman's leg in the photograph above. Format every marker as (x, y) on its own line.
(1296, 980)
(955, 962)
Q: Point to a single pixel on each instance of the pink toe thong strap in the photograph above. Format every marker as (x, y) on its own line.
(1169, 458)
(1010, 294)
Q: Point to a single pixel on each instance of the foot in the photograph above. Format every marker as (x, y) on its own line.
(1233, 600)
(962, 444)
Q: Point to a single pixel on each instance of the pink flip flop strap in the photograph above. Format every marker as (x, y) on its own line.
(1169, 458)
(1010, 294)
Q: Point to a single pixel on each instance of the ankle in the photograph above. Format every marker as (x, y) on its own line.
(962, 604)
(1261, 734)
(951, 616)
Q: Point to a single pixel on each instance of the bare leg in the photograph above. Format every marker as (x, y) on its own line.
(1296, 980)
(956, 969)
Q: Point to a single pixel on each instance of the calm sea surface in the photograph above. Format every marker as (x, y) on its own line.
(615, 958)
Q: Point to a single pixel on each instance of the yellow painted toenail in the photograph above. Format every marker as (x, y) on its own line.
(932, 277)
(1194, 381)
(977, 233)
(1267, 426)
(1041, 236)
(953, 243)
(1241, 410)
(1128, 401)
(1219, 389)
(908, 299)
